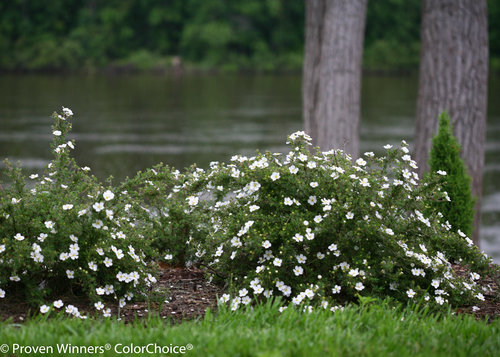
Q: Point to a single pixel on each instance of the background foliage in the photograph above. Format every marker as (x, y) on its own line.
(237, 34)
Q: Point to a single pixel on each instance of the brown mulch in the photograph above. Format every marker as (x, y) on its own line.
(180, 294)
(490, 285)
(184, 293)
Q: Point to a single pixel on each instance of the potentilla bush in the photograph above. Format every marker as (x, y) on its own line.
(164, 213)
(64, 233)
(318, 229)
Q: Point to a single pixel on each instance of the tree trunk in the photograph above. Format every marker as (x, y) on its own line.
(331, 87)
(454, 77)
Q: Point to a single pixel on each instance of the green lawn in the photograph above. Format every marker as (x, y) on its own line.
(370, 330)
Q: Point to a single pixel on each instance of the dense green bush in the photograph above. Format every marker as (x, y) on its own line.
(64, 234)
(316, 228)
(445, 162)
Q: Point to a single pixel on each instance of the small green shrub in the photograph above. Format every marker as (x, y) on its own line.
(318, 229)
(64, 234)
(445, 162)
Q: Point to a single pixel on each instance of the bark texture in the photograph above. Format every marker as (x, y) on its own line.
(454, 77)
(331, 87)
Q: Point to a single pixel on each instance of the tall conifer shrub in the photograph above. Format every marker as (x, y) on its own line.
(445, 156)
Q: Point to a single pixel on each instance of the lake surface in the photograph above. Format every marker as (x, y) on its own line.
(123, 124)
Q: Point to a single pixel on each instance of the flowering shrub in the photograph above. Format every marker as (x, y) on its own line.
(65, 233)
(312, 227)
(164, 212)
(317, 229)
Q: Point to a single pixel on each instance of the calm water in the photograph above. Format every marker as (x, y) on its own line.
(127, 123)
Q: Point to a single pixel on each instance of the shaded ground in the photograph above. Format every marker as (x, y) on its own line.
(184, 293)
(180, 294)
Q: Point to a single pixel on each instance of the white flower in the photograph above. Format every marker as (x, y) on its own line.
(441, 172)
(243, 292)
(406, 158)
(253, 208)
(336, 289)
(70, 274)
(108, 262)
(277, 262)
(354, 272)
(2, 248)
(309, 234)
(58, 304)
(349, 215)
(33, 176)
(293, 169)
(387, 147)
(49, 224)
(44, 309)
(439, 300)
(410, 293)
(312, 200)
(301, 258)
(109, 289)
(314, 184)
(298, 270)
(475, 276)
(192, 200)
(359, 286)
(318, 219)
(99, 305)
(67, 207)
(82, 212)
(253, 186)
(311, 164)
(19, 237)
(57, 133)
(98, 224)
(168, 257)
(288, 201)
(2, 293)
(224, 298)
(98, 206)
(435, 283)
(320, 255)
(15, 278)
(68, 112)
(246, 300)
(108, 195)
(389, 231)
(275, 176)
(266, 244)
(479, 296)
(298, 237)
(360, 162)
(93, 266)
(286, 290)
(106, 313)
